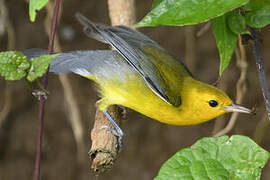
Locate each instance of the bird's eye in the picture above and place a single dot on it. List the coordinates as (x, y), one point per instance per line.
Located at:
(213, 103)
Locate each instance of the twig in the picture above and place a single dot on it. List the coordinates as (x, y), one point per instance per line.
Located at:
(104, 151)
(42, 99)
(72, 110)
(259, 64)
(104, 147)
(240, 87)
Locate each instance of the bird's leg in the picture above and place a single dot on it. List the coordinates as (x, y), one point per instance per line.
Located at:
(116, 130)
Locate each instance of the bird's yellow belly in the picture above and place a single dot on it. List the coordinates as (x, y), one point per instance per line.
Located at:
(135, 94)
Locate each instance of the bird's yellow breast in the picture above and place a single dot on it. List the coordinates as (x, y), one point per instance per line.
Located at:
(134, 93)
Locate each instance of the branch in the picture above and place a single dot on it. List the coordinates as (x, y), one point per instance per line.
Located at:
(104, 149)
(42, 99)
(259, 64)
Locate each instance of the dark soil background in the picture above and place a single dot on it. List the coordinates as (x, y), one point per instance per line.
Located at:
(148, 144)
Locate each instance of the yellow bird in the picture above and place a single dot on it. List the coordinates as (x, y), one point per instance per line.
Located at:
(143, 76)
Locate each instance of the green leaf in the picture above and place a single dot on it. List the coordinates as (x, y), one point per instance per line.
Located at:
(259, 18)
(223, 158)
(187, 12)
(13, 65)
(254, 5)
(36, 5)
(236, 22)
(225, 39)
(39, 66)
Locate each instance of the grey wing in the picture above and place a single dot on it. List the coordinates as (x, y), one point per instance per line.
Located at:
(129, 44)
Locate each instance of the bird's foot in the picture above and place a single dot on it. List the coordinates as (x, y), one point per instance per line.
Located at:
(115, 130)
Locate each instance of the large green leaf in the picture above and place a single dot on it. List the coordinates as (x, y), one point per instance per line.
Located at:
(187, 12)
(13, 65)
(36, 5)
(226, 40)
(39, 66)
(221, 158)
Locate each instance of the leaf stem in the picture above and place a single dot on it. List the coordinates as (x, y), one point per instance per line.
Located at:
(42, 99)
(259, 64)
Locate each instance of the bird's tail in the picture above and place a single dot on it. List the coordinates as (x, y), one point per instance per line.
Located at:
(84, 63)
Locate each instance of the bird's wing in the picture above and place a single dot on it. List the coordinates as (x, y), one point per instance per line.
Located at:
(131, 45)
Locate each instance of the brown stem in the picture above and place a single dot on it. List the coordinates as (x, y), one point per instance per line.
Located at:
(104, 149)
(42, 99)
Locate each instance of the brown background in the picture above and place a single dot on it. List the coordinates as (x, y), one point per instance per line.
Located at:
(147, 143)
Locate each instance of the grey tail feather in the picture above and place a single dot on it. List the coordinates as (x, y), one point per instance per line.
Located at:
(84, 63)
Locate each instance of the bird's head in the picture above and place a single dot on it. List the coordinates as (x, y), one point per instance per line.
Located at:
(208, 102)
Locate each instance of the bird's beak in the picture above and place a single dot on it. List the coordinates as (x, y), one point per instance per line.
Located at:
(238, 108)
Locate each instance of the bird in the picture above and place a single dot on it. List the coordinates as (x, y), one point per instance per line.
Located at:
(141, 75)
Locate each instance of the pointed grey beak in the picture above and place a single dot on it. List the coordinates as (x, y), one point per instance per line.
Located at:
(237, 108)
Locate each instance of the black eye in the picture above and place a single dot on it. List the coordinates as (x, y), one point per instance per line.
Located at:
(213, 103)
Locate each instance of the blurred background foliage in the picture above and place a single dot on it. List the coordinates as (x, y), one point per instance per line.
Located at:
(148, 143)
